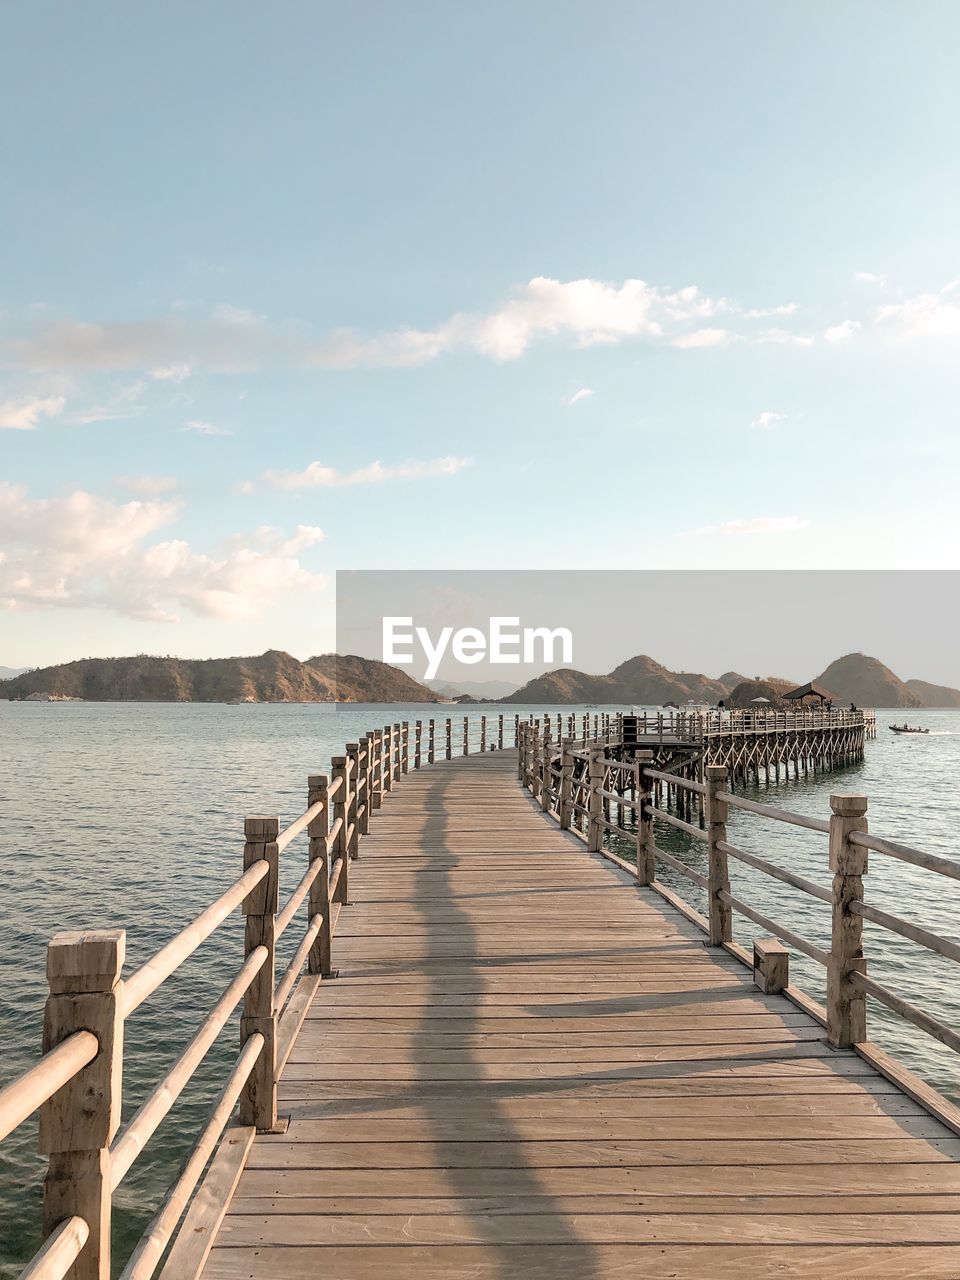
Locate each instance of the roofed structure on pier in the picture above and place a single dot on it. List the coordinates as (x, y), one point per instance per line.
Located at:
(809, 690)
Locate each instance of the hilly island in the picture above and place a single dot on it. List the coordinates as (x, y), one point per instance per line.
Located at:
(276, 676)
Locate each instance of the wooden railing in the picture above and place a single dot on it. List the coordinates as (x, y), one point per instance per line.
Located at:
(77, 1084)
(591, 788)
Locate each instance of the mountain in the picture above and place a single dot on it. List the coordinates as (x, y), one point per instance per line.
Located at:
(934, 695)
(366, 680)
(273, 676)
(730, 680)
(639, 680)
(7, 673)
(867, 682)
(476, 688)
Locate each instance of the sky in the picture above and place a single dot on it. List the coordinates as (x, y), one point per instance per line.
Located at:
(303, 287)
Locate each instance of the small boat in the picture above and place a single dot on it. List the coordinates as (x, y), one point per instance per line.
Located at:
(906, 728)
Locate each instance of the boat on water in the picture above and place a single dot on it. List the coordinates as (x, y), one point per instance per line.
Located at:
(906, 728)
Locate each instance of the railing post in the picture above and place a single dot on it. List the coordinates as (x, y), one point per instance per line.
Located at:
(317, 832)
(341, 810)
(417, 743)
(846, 1005)
(405, 742)
(365, 776)
(375, 775)
(386, 772)
(449, 743)
(500, 733)
(466, 735)
(718, 873)
(545, 780)
(258, 1101)
(79, 1122)
(398, 751)
(646, 858)
(483, 733)
(431, 742)
(595, 800)
(566, 783)
(353, 792)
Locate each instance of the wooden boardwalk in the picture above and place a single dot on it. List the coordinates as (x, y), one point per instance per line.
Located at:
(529, 1066)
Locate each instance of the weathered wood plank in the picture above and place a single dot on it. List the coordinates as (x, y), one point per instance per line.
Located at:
(576, 1261)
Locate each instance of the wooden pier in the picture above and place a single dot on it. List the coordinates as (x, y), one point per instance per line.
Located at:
(512, 1052)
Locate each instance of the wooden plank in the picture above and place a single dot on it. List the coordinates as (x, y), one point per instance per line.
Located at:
(279, 1153)
(678, 1180)
(597, 1228)
(566, 1260)
(838, 1202)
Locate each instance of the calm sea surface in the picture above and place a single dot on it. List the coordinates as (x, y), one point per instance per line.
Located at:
(131, 815)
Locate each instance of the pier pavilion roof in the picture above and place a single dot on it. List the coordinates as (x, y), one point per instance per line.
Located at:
(810, 690)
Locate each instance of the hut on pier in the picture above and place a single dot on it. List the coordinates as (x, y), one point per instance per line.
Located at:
(811, 691)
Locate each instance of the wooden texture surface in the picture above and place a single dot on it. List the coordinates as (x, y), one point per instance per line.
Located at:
(530, 1066)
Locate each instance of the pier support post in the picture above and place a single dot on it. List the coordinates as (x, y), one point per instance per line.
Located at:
(258, 1101)
(846, 1005)
(79, 1122)
(319, 960)
(718, 872)
(594, 800)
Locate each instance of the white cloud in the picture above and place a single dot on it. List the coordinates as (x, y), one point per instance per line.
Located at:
(201, 428)
(760, 524)
(870, 277)
(761, 313)
(929, 316)
(319, 476)
(232, 339)
(171, 372)
(123, 404)
(704, 338)
(87, 552)
(783, 338)
(583, 394)
(146, 486)
(768, 419)
(228, 340)
(25, 414)
(842, 332)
